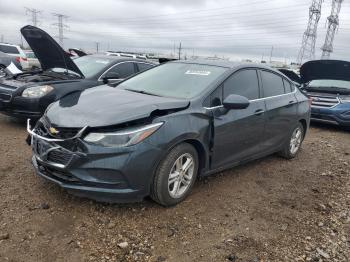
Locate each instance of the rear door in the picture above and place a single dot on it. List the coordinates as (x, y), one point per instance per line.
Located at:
(238, 134)
(281, 109)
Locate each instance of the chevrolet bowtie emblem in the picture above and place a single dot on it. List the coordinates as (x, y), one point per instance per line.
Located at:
(53, 131)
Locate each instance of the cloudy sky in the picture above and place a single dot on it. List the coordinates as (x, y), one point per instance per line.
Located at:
(232, 28)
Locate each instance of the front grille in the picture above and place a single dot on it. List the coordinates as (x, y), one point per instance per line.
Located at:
(59, 157)
(5, 97)
(63, 133)
(324, 101)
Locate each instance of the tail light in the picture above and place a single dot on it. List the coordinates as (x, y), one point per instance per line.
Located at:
(18, 59)
(24, 58)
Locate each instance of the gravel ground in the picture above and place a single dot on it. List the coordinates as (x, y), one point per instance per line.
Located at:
(268, 210)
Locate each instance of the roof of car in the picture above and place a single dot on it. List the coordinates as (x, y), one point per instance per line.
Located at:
(112, 58)
(223, 63)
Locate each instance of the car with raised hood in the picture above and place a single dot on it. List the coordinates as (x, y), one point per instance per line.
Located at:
(327, 83)
(27, 95)
(157, 132)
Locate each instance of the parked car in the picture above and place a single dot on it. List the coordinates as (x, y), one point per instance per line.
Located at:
(27, 95)
(5, 61)
(156, 132)
(15, 51)
(328, 84)
(32, 62)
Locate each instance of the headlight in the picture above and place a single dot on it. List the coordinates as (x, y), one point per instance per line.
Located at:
(37, 91)
(345, 99)
(123, 138)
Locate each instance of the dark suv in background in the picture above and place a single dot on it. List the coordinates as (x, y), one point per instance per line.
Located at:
(156, 132)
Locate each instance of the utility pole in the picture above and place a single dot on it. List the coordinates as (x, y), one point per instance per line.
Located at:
(97, 46)
(307, 50)
(333, 23)
(61, 27)
(2, 38)
(180, 49)
(34, 15)
(271, 54)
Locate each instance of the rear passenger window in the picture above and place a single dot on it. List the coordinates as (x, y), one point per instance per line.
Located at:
(244, 83)
(287, 86)
(143, 67)
(272, 84)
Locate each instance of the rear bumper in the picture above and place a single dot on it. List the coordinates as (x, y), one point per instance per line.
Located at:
(339, 115)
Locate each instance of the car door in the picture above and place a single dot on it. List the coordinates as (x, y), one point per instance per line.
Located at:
(238, 134)
(281, 109)
(120, 71)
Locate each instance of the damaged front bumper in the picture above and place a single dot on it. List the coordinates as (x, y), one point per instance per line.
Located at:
(113, 175)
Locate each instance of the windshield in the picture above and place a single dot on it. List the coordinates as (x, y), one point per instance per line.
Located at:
(90, 65)
(178, 80)
(329, 84)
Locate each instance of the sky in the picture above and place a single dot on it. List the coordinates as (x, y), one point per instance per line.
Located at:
(225, 28)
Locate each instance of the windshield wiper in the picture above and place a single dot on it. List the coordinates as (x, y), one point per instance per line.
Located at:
(142, 92)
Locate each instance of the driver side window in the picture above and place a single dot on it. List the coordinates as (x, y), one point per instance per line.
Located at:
(120, 71)
(244, 83)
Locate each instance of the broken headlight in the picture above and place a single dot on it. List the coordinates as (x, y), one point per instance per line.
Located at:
(123, 138)
(37, 91)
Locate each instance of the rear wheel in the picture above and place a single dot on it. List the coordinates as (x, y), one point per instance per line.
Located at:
(292, 148)
(175, 175)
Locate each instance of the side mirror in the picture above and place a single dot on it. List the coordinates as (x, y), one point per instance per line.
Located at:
(236, 102)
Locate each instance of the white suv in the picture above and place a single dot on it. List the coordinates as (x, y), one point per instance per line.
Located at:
(15, 50)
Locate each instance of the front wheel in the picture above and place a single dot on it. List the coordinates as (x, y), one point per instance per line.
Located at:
(292, 148)
(175, 175)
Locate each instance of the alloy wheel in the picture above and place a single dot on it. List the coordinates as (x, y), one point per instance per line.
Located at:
(181, 175)
(296, 140)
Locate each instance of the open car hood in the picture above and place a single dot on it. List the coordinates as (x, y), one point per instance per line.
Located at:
(325, 69)
(47, 50)
(104, 106)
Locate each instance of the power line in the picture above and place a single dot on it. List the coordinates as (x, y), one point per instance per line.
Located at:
(61, 27)
(307, 50)
(333, 23)
(33, 13)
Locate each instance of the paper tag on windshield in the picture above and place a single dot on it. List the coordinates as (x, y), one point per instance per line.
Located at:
(197, 72)
(13, 69)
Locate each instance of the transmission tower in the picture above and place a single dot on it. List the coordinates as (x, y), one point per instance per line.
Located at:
(61, 26)
(307, 50)
(33, 13)
(333, 23)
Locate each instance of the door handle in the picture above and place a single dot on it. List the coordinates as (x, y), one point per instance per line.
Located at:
(259, 112)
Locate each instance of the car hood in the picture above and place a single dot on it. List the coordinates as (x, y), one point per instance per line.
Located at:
(47, 50)
(107, 106)
(325, 69)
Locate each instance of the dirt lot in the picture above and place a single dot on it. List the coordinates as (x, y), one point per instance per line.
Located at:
(268, 210)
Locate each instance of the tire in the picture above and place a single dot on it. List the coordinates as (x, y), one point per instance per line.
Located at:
(167, 190)
(288, 151)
